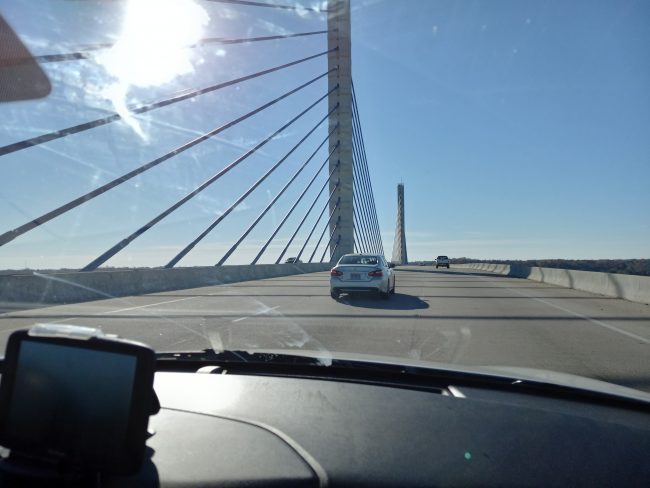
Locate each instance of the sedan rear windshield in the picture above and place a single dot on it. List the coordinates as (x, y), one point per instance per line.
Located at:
(359, 260)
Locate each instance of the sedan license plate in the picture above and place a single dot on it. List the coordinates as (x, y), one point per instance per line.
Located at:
(355, 276)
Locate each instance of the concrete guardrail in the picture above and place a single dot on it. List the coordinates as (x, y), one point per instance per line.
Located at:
(72, 287)
(630, 287)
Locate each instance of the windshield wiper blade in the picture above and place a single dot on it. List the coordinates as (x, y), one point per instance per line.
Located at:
(234, 357)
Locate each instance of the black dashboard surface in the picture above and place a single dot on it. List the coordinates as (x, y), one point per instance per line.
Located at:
(239, 430)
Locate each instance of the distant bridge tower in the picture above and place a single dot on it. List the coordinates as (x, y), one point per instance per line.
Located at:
(399, 247)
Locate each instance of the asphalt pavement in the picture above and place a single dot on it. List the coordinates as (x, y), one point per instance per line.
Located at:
(455, 316)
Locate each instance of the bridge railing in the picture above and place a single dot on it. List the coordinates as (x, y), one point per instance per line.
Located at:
(629, 287)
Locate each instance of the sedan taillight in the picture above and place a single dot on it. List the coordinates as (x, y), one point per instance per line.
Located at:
(376, 272)
(336, 272)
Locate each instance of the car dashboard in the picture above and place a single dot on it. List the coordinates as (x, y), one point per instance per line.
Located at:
(218, 429)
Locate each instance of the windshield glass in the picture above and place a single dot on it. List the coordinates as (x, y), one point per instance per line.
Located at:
(186, 173)
(358, 260)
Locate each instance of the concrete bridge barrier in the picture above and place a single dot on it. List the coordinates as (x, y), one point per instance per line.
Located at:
(72, 287)
(630, 287)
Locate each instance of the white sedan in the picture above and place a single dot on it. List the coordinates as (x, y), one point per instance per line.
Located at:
(362, 273)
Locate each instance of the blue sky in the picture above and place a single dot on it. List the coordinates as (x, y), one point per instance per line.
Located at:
(520, 129)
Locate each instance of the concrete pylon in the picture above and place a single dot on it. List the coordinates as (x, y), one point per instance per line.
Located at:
(339, 61)
(399, 246)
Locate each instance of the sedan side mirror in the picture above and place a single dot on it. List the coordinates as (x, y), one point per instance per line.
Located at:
(391, 265)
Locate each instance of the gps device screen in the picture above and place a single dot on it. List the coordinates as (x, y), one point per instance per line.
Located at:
(84, 403)
(69, 399)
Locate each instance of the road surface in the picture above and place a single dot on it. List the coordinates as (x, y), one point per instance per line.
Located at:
(455, 316)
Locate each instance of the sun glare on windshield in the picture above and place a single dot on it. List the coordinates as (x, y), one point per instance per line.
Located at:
(152, 48)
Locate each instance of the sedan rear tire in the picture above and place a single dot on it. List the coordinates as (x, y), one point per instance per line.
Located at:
(385, 295)
(334, 294)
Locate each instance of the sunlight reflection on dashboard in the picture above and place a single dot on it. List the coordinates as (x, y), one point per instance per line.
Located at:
(174, 387)
(152, 48)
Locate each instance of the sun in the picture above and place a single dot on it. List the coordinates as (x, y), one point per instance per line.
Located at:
(152, 48)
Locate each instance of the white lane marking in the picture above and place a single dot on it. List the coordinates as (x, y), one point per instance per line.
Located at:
(44, 321)
(148, 305)
(72, 316)
(191, 297)
(611, 327)
(261, 312)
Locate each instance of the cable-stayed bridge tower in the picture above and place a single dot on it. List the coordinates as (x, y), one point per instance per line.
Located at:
(399, 247)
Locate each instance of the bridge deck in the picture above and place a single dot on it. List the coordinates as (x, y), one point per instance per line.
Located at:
(448, 316)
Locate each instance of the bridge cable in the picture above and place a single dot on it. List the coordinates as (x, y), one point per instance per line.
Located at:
(329, 199)
(320, 215)
(359, 219)
(327, 224)
(322, 258)
(363, 233)
(275, 199)
(338, 241)
(360, 134)
(364, 178)
(366, 167)
(329, 242)
(357, 241)
(361, 195)
(12, 234)
(244, 195)
(355, 225)
(295, 204)
(271, 5)
(364, 196)
(362, 209)
(369, 205)
(88, 51)
(360, 228)
(125, 242)
(178, 97)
